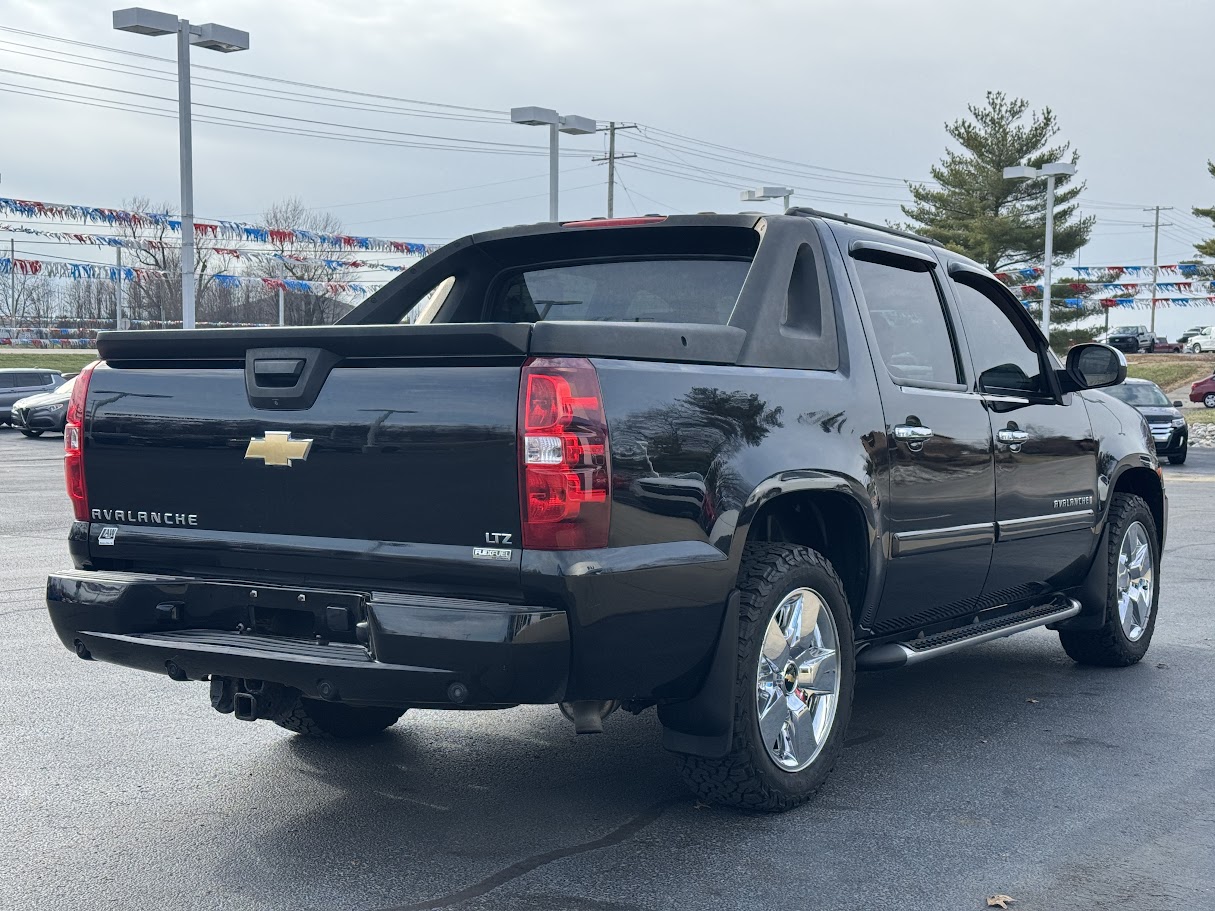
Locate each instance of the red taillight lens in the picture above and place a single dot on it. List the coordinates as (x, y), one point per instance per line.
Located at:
(564, 472)
(73, 444)
(615, 222)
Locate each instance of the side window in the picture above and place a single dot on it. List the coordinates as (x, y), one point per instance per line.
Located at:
(1005, 352)
(909, 321)
(26, 380)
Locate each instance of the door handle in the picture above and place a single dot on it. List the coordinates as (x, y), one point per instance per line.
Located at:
(913, 435)
(1014, 438)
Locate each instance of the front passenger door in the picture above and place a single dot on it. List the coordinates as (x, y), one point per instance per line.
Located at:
(1045, 453)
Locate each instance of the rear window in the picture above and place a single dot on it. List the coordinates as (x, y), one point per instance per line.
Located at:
(669, 290)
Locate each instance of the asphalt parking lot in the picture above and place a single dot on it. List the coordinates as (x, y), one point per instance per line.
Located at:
(1003, 769)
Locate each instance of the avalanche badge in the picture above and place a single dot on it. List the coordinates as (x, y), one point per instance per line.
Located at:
(277, 448)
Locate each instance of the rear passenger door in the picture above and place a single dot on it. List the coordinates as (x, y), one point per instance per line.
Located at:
(1045, 453)
(938, 480)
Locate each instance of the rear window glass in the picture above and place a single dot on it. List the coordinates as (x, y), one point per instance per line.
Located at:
(633, 291)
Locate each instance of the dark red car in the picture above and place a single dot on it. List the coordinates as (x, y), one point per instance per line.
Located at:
(1204, 391)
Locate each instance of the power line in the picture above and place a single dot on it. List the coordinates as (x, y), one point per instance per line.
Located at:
(240, 75)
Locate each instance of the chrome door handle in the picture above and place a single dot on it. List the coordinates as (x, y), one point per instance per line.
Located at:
(913, 435)
(1014, 438)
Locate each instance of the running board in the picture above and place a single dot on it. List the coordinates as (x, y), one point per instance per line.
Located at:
(900, 654)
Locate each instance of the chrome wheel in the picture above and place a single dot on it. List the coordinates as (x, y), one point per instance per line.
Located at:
(798, 680)
(1136, 581)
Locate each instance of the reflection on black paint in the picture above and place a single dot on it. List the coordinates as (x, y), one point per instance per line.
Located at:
(659, 453)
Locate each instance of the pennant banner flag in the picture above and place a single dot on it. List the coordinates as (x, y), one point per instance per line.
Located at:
(127, 243)
(232, 230)
(84, 271)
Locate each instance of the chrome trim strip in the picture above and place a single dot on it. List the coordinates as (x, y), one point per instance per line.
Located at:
(928, 540)
(1053, 523)
(1003, 399)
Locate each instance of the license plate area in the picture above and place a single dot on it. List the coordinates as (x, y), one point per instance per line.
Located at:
(290, 612)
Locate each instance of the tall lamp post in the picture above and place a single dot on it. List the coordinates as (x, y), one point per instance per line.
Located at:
(214, 38)
(1050, 172)
(765, 193)
(556, 123)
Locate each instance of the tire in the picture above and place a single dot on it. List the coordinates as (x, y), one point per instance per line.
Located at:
(1178, 458)
(336, 720)
(32, 434)
(1194, 349)
(1124, 638)
(1209, 400)
(751, 775)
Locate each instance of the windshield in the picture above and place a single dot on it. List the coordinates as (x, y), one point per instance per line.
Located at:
(1125, 330)
(658, 290)
(1139, 394)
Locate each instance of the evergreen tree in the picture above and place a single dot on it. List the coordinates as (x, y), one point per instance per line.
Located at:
(975, 211)
(1207, 247)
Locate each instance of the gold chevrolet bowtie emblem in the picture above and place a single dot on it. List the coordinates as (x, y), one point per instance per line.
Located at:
(277, 448)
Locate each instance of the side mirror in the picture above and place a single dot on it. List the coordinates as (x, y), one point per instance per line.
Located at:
(1178, 405)
(1092, 366)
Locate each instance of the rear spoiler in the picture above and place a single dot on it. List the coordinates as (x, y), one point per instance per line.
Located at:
(676, 342)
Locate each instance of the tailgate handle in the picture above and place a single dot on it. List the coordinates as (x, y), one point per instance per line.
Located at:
(278, 372)
(286, 379)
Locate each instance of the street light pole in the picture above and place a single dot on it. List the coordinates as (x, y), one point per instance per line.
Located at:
(553, 164)
(213, 37)
(765, 193)
(556, 123)
(1050, 172)
(1050, 254)
(185, 141)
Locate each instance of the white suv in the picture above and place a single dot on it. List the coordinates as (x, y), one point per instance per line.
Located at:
(1203, 341)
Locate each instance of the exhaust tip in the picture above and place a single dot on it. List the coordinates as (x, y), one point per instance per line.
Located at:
(588, 714)
(457, 693)
(82, 651)
(244, 706)
(175, 671)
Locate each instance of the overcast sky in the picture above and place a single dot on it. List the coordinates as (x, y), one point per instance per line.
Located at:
(861, 86)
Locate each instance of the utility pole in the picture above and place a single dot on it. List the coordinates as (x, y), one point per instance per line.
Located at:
(1156, 256)
(12, 278)
(118, 293)
(611, 159)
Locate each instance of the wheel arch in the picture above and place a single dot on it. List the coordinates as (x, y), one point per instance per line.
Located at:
(1146, 483)
(829, 513)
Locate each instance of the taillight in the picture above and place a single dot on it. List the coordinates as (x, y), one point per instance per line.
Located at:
(564, 472)
(73, 444)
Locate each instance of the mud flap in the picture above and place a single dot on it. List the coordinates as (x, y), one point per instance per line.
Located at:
(1093, 593)
(704, 724)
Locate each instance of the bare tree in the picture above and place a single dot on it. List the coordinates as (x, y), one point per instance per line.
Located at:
(304, 308)
(25, 297)
(159, 295)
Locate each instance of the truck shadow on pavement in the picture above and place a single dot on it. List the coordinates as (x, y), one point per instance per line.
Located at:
(449, 806)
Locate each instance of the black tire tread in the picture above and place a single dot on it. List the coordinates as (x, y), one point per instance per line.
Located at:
(734, 779)
(1108, 647)
(335, 721)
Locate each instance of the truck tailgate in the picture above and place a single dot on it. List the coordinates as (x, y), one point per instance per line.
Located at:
(399, 455)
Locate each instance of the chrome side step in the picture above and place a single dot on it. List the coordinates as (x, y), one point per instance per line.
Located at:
(900, 654)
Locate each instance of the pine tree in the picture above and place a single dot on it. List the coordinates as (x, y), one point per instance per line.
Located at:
(1207, 247)
(975, 211)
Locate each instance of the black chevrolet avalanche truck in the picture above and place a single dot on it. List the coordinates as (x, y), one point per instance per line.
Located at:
(711, 464)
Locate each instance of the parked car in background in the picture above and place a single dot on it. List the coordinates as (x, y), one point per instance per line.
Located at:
(1202, 342)
(1161, 345)
(1190, 333)
(1204, 391)
(1170, 432)
(34, 415)
(1131, 339)
(17, 383)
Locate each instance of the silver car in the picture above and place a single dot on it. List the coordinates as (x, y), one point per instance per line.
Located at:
(18, 382)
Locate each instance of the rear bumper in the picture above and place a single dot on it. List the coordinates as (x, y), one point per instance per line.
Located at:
(412, 648)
